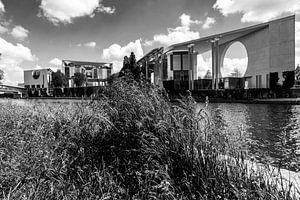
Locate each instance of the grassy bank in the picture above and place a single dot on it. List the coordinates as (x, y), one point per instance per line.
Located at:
(130, 144)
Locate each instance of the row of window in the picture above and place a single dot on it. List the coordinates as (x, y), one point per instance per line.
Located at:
(34, 86)
(88, 73)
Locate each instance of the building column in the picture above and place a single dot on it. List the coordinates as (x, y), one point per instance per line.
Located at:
(191, 66)
(217, 66)
(213, 63)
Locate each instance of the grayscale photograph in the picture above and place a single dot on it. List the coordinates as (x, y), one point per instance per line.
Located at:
(150, 99)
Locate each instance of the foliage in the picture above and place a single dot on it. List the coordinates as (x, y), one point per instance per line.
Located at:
(79, 79)
(131, 143)
(59, 79)
(208, 74)
(130, 67)
(236, 73)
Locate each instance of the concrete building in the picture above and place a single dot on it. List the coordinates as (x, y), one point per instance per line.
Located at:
(96, 73)
(270, 47)
(38, 79)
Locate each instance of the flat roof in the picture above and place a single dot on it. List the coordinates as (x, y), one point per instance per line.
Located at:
(87, 62)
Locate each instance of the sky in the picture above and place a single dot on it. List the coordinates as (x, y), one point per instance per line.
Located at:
(37, 34)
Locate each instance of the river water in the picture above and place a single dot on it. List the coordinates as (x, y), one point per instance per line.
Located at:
(272, 131)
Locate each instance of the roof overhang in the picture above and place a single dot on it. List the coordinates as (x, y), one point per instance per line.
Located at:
(202, 45)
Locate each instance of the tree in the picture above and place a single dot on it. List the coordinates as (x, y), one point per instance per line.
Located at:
(236, 73)
(130, 67)
(208, 74)
(79, 79)
(59, 79)
(1, 76)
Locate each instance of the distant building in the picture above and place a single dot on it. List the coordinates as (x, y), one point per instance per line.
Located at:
(39, 79)
(96, 73)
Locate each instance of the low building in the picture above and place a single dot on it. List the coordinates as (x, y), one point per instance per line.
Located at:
(96, 73)
(38, 81)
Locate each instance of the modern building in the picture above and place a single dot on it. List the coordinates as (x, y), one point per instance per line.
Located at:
(38, 80)
(96, 73)
(270, 48)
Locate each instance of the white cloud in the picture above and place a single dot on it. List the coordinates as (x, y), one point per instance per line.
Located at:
(56, 62)
(179, 34)
(3, 29)
(208, 22)
(88, 44)
(11, 58)
(203, 65)
(65, 10)
(257, 10)
(19, 32)
(230, 64)
(1, 7)
(115, 53)
(38, 67)
(107, 9)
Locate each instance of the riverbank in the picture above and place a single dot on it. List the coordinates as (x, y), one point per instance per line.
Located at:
(289, 101)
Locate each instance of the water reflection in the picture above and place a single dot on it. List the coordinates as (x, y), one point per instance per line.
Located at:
(273, 130)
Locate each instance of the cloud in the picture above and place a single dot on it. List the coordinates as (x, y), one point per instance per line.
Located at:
(203, 65)
(88, 44)
(230, 64)
(38, 67)
(11, 59)
(64, 11)
(2, 9)
(56, 62)
(106, 9)
(19, 32)
(257, 10)
(115, 53)
(208, 22)
(3, 29)
(179, 34)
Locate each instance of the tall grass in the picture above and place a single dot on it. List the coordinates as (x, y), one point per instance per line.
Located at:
(130, 143)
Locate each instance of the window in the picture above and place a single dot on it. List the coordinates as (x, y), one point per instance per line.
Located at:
(67, 72)
(258, 81)
(268, 80)
(185, 62)
(181, 75)
(95, 73)
(108, 73)
(32, 86)
(177, 62)
(38, 86)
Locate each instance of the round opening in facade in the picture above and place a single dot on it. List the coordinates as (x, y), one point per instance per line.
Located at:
(235, 61)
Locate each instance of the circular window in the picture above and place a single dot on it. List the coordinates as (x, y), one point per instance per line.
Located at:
(36, 74)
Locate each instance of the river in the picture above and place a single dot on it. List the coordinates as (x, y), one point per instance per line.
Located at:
(272, 131)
